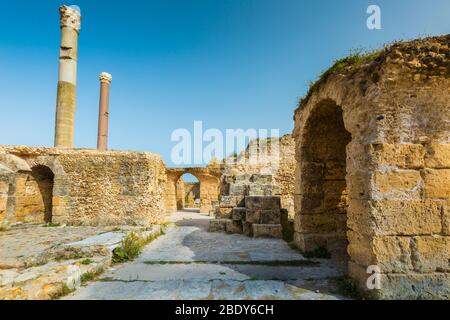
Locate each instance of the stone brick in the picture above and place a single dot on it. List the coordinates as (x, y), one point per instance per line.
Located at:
(437, 183)
(230, 201)
(260, 190)
(320, 223)
(402, 183)
(267, 231)
(438, 156)
(239, 214)
(431, 253)
(238, 190)
(391, 254)
(218, 225)
(405, 156)
(242, 178)
(233, 227)
(253, 215)
(271, 203)
(415, 286)
(253, 202)
(309, 242)
(224, 213)
(270, 217)
(446, 220)
(247, 229)
(408, 217)
(262, 179)
(359, 185)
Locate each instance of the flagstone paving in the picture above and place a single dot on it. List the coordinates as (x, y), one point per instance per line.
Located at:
(188, 262)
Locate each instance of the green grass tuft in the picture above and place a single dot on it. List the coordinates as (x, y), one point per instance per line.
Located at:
(90, 276)
(64, 290)
(132, 246)
(349, 63)
(86, 261)
(51, 225)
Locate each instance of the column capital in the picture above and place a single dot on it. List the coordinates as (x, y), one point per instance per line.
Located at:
(105, 77)
(70, 16)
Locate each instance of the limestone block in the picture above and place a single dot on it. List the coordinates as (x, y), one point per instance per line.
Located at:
(247, 229)
(437, 183)
(224, 213)
(391, 254)
(263, 179)
(218, 225)
(405, 156)
(359, 185)
(260, 190)
(234, 227)
(239, 214)
(284, 217)
(238, 189)
(271, 203)
(267, 231)
(321, 223)
(438, 156)
(229, 201)
(431, 253)
(402, 183)
(253, 202)
(309, 242)
(415, 286)
(243, 178)
(408, 217)
(270, 217)
(446, 220)
(253, 215)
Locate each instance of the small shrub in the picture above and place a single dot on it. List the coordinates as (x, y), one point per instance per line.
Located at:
(64, 290)
(86, 261)
(89, 276)
(51, 225)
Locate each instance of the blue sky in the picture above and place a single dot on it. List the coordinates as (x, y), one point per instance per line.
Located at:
(229, 63)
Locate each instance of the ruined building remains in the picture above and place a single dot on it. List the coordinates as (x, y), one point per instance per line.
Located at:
(373, 168)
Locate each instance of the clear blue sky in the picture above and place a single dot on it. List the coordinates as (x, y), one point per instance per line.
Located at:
(230, 63)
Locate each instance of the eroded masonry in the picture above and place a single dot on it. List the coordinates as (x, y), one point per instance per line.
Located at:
(365, 175)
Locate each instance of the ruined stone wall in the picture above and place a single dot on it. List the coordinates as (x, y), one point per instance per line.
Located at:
(393, 209)
(279, 163)
(90, 187)
(180, 194)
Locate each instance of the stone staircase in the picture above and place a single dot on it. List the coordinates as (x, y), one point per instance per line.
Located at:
(249, 207)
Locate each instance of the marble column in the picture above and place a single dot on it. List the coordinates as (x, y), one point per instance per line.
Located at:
(102, 137)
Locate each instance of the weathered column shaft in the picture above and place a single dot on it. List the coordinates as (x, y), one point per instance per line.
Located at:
(67, 80)
(102, 137)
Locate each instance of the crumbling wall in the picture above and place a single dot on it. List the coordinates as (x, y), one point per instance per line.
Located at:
(260, 158)
(395, 106)
(92, 187)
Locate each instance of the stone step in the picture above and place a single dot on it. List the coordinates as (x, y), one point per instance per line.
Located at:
(239, 213)
(267, 231)
(263, 202)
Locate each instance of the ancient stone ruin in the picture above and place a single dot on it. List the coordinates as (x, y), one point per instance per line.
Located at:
(365, 175)
(373, 167)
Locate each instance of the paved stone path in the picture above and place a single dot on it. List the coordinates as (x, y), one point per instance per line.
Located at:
(188, 262)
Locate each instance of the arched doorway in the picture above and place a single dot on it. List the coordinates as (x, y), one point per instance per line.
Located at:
(188, 192)
(321, 220)
(35, 195)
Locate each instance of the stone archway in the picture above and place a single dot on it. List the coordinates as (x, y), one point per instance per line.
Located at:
(209, 180)
(323, 197)
(34, 195)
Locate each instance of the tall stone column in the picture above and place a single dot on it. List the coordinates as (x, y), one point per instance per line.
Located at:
(102, 138)
(70, 20)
